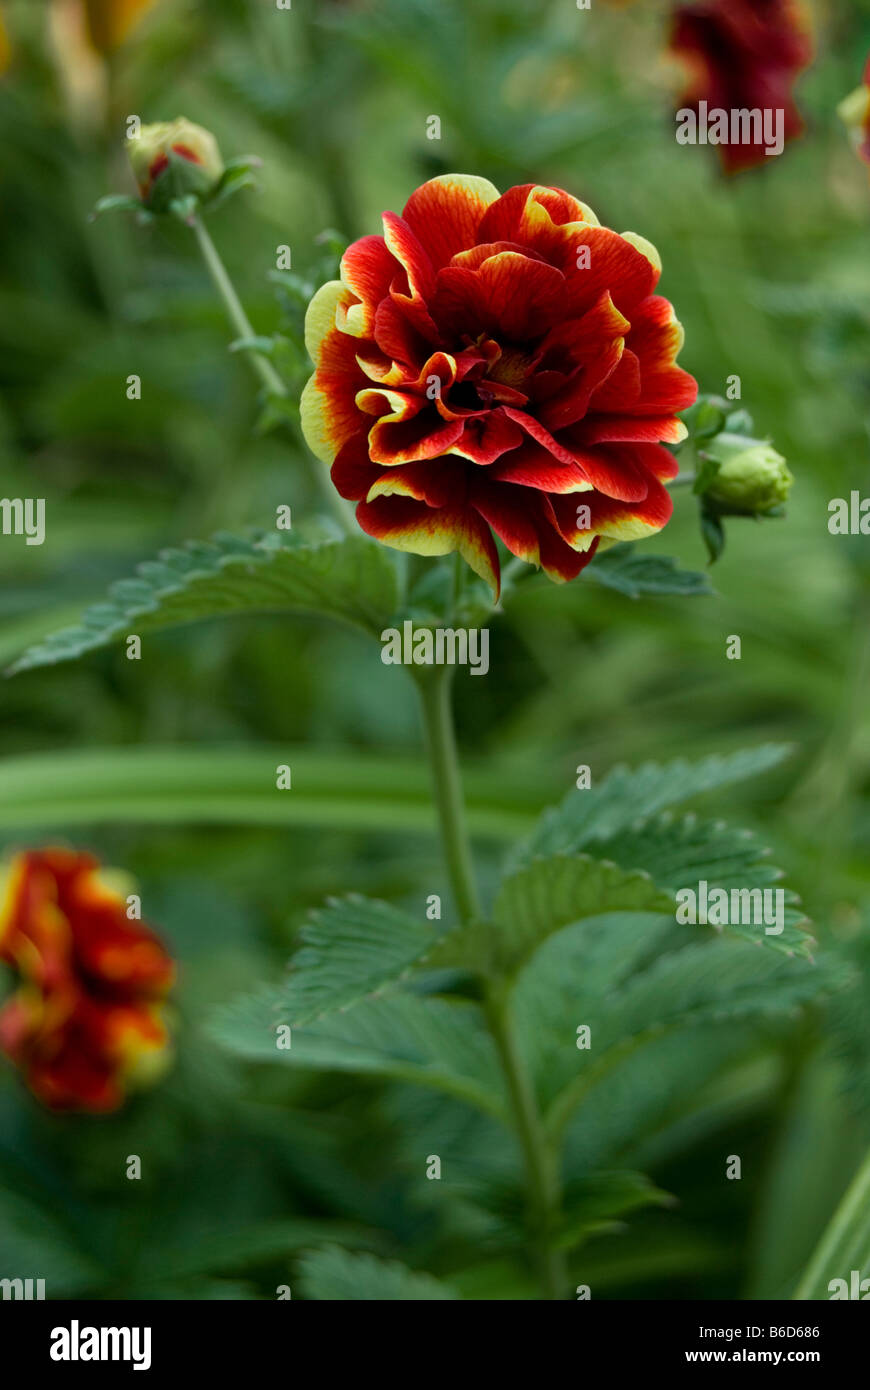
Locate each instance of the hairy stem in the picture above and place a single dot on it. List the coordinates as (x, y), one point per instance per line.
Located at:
(541, 1167)
(434, 687)
(269, 377)
(542, 1171)
(235, 311)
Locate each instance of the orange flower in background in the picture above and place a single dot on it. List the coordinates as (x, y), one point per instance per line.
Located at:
(87, 1017)
(743, 55)
(854, 111)
(111, 21)
(5, 48)
(101, 24)
(498, 365)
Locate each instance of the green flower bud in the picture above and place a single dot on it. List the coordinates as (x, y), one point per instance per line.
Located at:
(172, 160)
(752, 478)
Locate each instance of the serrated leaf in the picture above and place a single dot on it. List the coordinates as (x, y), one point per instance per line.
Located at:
(236, 1248)
(698, 984)
(654, 1088)
(712, 980)
(433, 1042)
(680, 853)
(626, 795)
(542, 899)
(634, 573)
(334, 1274)
(591, 1205)
(351, 948)
(352, 580)
(596, 1202)
(39, 1243)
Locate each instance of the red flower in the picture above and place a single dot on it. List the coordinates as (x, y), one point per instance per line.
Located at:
(497, 364)
(87, 1015)
(743, 55)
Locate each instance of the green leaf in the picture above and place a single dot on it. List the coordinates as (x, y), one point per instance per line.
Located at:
(595, 1203)
(635, 573)
(706, 418)
(627, 795)
(39, 1243)
(352, 580)
(334, 1274)
(238, 174)
(352, 947)
(116, 202)
(702, 983)
(542, 899)
(845, 1245)
(407, 1037)
(238, 1247)
(220, 785)
(713, 533)
(680, 853)
(717, 980)
(259, 344)
(591, 1205)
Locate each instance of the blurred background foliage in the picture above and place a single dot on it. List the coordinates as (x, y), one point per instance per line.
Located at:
(770, 276)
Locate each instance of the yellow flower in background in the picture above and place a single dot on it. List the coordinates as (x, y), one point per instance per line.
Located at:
(103, 24)
(5, 49)
(111, 21)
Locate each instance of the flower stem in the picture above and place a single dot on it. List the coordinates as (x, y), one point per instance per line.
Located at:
(434, 687)
(233, 305)
(541, 1168)
(838, 1251)
(269, 377)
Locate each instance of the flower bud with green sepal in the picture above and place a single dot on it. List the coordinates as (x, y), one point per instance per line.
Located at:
(738, 476)
(174, 160)
(749, 477)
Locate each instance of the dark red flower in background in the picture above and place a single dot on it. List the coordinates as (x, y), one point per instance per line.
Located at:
(743, 55)
(498, 364)
(86, 1018)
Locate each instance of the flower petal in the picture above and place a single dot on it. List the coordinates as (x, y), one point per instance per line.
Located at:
(407, 524)
(446, 212)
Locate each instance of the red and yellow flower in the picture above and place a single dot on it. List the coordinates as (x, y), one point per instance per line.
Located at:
(743, 55)
(497, 365)
(86, 1020)
(173, 158)
(854, 111)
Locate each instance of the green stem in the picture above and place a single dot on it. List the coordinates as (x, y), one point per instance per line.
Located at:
(269, 377)
(434, 687)
(235, 311)
(542, 1172)
(541, 1167)
(843, 1246)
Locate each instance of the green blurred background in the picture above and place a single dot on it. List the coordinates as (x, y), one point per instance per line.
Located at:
(770, 276)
